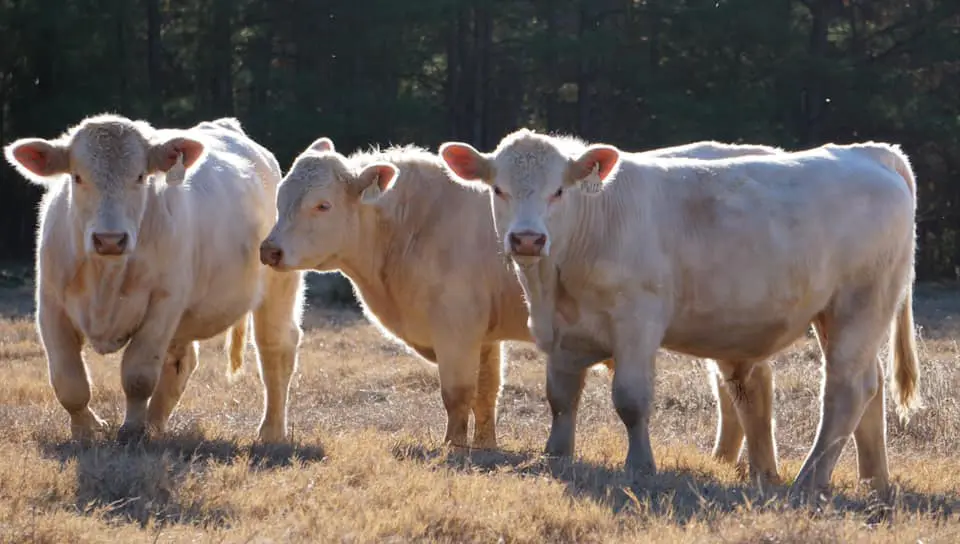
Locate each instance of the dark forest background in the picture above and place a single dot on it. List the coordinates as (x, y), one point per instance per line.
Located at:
(635, 73)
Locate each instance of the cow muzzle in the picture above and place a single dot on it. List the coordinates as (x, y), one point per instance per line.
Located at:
(270, 254)
(527, 243)
(110, 243)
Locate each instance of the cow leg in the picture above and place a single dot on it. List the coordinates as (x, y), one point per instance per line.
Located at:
(870, 438)
(855, 332)
(751, 387)
(68, 373)
(637, 336)
(489, 381)
(730, 435)
(566, 375)
(277, 334)
(458, 365)
(142, 363)
(178, 366)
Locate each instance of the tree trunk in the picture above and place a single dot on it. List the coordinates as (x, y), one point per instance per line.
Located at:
(154, 78)
(584, 83)
(482, 35)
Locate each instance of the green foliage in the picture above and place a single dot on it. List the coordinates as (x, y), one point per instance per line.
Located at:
(635, 73)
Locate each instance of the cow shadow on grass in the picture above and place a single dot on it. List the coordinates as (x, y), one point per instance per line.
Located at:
(154, 482)
(679, 494)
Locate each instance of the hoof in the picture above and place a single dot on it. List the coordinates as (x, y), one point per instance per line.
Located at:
(485, 443)
(131, 434)
(271, 436)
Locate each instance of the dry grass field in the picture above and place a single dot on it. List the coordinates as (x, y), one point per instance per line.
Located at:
(366, 463)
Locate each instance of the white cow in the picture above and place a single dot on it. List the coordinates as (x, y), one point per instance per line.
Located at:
(730, 259)
(452, 299)
(149, 239)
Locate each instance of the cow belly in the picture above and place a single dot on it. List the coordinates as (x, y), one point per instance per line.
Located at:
(735, 341)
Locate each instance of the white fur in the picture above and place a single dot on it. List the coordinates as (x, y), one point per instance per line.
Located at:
(193, 274)
(729, 259)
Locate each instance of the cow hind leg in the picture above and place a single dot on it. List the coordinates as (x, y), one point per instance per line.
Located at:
(851, 389)
(729, 439)
(178, 366)
(870, 435)
(750, 385)
(277, 334)
(870, 438)
(489, 382)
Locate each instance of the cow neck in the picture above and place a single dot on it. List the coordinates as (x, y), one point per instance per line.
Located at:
(367, 266)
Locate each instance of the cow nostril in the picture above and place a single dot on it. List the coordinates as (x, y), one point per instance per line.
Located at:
(109, 243)
(270, 255)
(515, 240)
(541, 240)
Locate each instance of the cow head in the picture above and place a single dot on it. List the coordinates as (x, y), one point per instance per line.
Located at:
(319, 206)
(528, 175)
(106, 162)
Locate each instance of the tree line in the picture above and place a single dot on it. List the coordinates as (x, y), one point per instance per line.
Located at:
(638, 74)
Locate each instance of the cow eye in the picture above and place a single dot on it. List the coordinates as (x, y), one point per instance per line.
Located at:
(497, 191)
(558, 193)
(140, 179)
(77, 179)
(323, 206)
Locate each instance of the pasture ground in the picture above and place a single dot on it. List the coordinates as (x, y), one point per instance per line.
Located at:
(366, 463)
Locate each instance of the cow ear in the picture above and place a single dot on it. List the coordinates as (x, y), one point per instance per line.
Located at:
(163, 156)
(466, 163)
(374, 180)
(322, 144)
(38, 160)
(594, 169)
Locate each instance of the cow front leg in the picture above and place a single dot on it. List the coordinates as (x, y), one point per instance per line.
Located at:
(277, 333)
(637, 336)
(489, 384)
(566, 374)
(458, 364)
(142, 363)
(62, 344)
(178, 366)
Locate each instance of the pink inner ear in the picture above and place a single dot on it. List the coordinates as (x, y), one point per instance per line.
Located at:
(322, 144)
(32, 158)
(191, 152)
(607, 158)
(463, 161)
(190, 149)
(385, 177)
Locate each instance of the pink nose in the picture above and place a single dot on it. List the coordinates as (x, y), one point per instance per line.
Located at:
(110, 243)
(270, 254)
(527, 243)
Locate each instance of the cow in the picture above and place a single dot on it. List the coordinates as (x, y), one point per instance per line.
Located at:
(391, 222)
(148, 241)
(731, 259)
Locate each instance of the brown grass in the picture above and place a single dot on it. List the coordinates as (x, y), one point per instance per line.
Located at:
(366, 463)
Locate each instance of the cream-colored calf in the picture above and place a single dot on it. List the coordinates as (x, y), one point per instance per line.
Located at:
(148, 240)
(731, 259)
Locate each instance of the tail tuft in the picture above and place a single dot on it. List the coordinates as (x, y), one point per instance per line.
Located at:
(905, 377)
